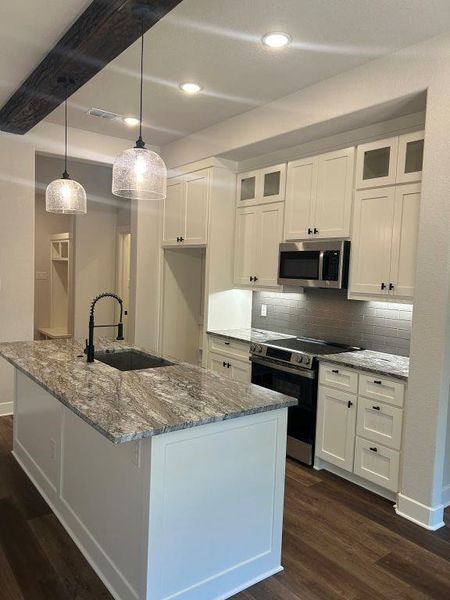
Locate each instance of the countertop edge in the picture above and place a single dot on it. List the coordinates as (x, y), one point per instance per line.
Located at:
(117, 440)
(375, 370)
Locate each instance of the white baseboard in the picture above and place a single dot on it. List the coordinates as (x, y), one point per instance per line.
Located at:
(446, 496)
(6, 408)
(426, 516)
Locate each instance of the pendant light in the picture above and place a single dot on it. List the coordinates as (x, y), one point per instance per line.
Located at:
(140, 173)
(65, 196)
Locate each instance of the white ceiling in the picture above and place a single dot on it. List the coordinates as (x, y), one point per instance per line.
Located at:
(217, 44)
(28, 29)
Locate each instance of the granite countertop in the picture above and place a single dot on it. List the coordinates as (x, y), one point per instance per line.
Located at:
(131, 405)
(257, 336)
(381, 363)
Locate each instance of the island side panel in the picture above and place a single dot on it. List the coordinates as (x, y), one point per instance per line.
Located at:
(99, 491)
(216, 507)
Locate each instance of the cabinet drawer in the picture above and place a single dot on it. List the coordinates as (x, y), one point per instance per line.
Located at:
(238, 370)
(381, 389)
(338, 378)
(231, 348)
(379, 422)
(377, 464)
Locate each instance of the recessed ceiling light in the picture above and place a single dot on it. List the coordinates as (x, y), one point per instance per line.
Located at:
(131, 121)
(277, 39)
(190, 87)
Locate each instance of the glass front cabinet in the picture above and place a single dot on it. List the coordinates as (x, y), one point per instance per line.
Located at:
(390, 161)
(261, 186)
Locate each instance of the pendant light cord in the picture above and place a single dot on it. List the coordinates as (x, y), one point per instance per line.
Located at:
(140, 142)
(65, 174)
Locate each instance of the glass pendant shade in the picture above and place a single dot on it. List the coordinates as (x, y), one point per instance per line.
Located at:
(139, 173)
(65, 196)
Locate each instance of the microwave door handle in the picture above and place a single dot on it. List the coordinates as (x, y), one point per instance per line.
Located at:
(321, 266)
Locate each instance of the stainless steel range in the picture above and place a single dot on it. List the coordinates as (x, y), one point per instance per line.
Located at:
(290, 366)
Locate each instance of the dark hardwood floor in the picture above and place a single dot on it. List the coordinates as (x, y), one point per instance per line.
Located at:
(339, 542)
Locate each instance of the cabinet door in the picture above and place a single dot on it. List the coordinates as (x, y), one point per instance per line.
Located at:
(245, 244)
(404, 240)
(173, 212)
(372, 240)
(334, 194)
(248, 185)
(196, 214)
(376, 163)
(410, 157)
(218, 364)
(273, 184)
(240, 371)
(301, 189)
(268, 236)
(335, 431)
(377, 464)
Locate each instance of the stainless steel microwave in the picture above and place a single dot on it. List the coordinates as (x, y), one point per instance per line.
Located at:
(314, 264)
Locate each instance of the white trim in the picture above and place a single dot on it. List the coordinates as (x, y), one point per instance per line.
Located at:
(320, 464)
(199, 165)
(446, 496)
(426, 516)
(6, 408)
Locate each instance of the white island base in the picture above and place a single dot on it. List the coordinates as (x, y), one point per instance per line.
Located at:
(194, 514)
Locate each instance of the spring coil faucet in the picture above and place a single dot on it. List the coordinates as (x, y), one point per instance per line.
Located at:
(90, 348)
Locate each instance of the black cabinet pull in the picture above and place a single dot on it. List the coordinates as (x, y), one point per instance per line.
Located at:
(335, 370)
(316, 230)
(228, 365)
(251, 278)
(349, 404)
(374, 449)
(309, 231)
(255, 278)
(178, 239)
(224, 364)
(376, 408)
(383, 286)
(227, 343)
(391, 286)
(181, 239)
(377, 381)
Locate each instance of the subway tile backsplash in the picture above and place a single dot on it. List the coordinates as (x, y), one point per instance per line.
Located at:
(328, 315)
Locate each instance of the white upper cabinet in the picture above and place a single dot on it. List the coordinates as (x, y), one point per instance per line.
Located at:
(173, 211)
(387, 162)
(301, 191)
(404, 240)
(185, 214)
(319, 196)
(261, 186)
(384, 247)
(258, 234)
(410, 157)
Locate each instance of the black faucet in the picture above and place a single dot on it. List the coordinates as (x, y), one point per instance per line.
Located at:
(90, 349)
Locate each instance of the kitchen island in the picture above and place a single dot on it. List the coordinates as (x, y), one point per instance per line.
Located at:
(170, 480)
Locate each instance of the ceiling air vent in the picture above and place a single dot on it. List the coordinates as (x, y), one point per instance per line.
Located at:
(102, 114)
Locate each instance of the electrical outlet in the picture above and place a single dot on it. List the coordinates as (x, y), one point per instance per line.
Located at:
(264, 310)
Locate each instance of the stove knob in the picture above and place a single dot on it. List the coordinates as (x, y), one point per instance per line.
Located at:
(300, 358)
(252, 347)
(307, 360)
(257, 348)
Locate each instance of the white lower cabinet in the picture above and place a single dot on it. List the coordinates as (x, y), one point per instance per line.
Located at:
(377, 463)
(360, 431)
(237, 370)
(336, 418)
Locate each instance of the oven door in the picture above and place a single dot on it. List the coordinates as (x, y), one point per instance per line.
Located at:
(301, 385)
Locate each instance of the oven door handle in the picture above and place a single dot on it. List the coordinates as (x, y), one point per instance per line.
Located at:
(306, 373)
(321, 266)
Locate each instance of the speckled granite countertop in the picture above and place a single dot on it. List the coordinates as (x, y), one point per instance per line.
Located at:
(257, 336)
(131, 405)
(391, 365)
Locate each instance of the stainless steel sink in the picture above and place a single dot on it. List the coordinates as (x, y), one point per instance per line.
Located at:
(130, 360)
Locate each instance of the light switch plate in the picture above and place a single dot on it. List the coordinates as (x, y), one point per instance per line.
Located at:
(264, 310)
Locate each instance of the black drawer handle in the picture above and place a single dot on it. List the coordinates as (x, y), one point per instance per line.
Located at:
(377, 381)
(374, 449)
(349, 404)
(309, 231)
(224, 364)
(251, 278)
(227, 343)
(228, 365)
(383, 286)
(376, 408)
(255, 278)
(335, 370)
(316, 230)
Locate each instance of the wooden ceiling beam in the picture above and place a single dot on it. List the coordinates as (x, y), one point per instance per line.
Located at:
(104, 30)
